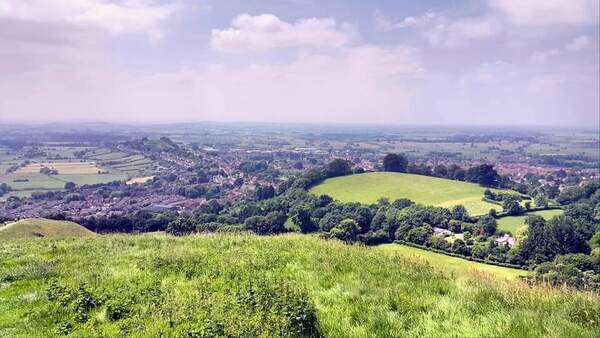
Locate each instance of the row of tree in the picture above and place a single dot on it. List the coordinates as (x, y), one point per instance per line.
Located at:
(484, 174)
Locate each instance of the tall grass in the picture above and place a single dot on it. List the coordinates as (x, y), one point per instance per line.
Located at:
(244, 285)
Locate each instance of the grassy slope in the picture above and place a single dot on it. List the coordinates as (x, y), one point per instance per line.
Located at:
(512, 223)
(177, 285)
(35, 228)
(455, 266)
(369, 187)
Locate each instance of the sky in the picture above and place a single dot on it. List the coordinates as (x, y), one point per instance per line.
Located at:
(443, 62)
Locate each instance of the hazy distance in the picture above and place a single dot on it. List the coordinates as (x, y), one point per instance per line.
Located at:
(492, 62)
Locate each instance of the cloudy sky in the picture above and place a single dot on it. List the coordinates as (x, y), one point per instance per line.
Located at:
(508, 62)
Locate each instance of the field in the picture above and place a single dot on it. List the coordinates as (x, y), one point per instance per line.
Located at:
(513, 223)
(244, 285)
(130, 165)
(42, 228)
(368, 188)
(107, 167)
(457, 267)
(140, 180)
(63, 168)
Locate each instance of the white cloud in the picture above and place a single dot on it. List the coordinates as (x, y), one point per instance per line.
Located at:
(129, 16)
(547, 12)
(542, 57)
(385, 24)
(361, 84)
(579, 43)
(265, 32)
(458, 32)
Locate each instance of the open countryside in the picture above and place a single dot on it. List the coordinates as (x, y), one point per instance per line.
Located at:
(370, 187)
(300, 169)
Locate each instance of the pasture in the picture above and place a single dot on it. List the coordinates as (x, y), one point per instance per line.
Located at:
(513, 223)
(245, 285)
(131, 165)
(63, 168)
(98, 166)
(29, 179)
(457, 267)
(370, 187)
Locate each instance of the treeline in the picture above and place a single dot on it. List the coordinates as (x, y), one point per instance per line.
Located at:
(483, 174)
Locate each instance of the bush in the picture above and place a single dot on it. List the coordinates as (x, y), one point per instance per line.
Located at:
(181, 226)
(346, 230)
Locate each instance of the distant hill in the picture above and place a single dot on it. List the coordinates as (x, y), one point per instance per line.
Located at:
(42, 228)
(370, 187)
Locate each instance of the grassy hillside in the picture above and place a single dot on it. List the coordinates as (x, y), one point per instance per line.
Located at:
(244, 285)
(39, 227)
(512, 223)
(369, 187)
(457, 267)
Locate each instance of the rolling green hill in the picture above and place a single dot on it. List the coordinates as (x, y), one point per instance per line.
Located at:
(369, 187)
(512, 223)
(42, 228)
(245, 285)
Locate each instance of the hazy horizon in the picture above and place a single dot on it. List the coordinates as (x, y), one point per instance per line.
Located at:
(465, 63)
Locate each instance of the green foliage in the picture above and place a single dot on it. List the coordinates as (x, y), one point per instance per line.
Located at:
(420, 235)
(181, 226)
(541, 201)
(486, 226)
(338, 167)
(511, 206)
(346, 230)
(395, 163)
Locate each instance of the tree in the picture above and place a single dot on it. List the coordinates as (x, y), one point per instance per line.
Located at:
(301, 217)
(459, 247)
(395, 163)
(540, 201)
(480, 250)
(420, 235)
(70, 186)
(484, 174)
(181, 226)
(486, 226)
(459, 212)
(264, 192)
(338, 167)
(271, 224)
(511, 205)
(346, 230)
(440, 171)
(402, 203)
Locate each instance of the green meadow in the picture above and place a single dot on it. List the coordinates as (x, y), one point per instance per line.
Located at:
(370, 187)
(291, 285)
(513, 223)
(456, 267)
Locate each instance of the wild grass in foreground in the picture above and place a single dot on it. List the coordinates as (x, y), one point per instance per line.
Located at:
(244, 285)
